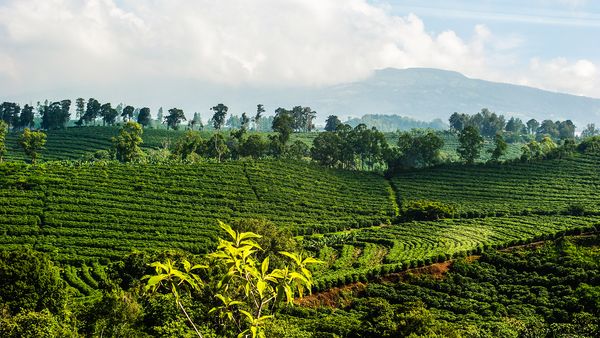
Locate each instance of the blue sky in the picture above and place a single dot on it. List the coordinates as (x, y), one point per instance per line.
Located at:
(139, 49)
(548, 28)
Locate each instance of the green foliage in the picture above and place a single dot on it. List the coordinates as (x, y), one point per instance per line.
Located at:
(220, 112)
(499, 149)
(32, 143)
(248, 291)
(283, 124)
(416, 149)
(144, 117)
(3, 132)
(191, 142)
(350, 148)
(30, 281)
(127, 144)
(332, 123)
(470, 144)
(423, 210)
(174, 118)
(545, 187)
(590, 145)
(40, 324)
(115, 314)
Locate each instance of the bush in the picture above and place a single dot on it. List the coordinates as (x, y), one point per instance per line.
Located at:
(424, 210)
(29, 281)
(576, 210)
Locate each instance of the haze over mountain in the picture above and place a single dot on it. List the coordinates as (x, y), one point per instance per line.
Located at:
(424, 94)
(432, 93)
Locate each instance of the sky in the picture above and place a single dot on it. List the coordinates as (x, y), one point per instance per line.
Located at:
(145, 51)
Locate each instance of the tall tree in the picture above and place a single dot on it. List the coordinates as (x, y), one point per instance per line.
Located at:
(27, 117)
(549, 128)
(79, 108)
(197, 121)
(590, 130)
(216, 147)
(56, 115)
(9, 113)
(470, 144)
(127, 113)
(220, 112)
(3, 132)
(260, 109)
(516, 126)
(245, 121)
(416, 149)
(65, 114)
(566, 130)
(332, 123)
(458, 121)
(308, 116)
(499, 149)
(92, 111)
(127, 143)
(144, 117)
(32, 143)
(109, 114)
(532, 126)
(160, 116)
(174, 118)
(283, 123)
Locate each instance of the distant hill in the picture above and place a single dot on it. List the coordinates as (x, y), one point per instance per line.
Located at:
(427, 94)
(390, 123)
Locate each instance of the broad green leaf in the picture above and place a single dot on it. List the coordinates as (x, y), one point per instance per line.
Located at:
(229, 230)
(260, 287)
(265, 266)
(248, 315)
(293, 256)
(156, 279)
(186, 265)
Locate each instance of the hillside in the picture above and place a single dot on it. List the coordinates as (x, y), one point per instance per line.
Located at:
(98, 213)
(518, 188)
(76, 143)
(92, 212)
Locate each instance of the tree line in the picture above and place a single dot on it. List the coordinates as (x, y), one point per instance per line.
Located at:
(489, 124)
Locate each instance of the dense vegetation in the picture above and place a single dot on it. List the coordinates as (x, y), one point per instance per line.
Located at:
(546, 291)
(365, 203)
(542, 187)
(86, 212)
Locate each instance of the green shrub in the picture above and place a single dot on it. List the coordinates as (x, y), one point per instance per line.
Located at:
(424, 210)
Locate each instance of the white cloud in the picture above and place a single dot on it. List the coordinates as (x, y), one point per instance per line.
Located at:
(99, 44)
(581, 77)
(299, 42)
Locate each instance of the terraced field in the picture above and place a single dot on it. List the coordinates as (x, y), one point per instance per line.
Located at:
(87, 215)
(520, 188)
(99, 213)
(360, 254)
(73, 143)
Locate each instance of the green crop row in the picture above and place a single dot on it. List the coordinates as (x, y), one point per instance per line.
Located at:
(95, 212)
(544, 187)
(409, 245)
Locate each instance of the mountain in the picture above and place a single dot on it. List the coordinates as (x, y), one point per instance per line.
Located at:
(422, 94)
(426, 94)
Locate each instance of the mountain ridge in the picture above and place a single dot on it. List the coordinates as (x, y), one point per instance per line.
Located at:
(428, 93)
